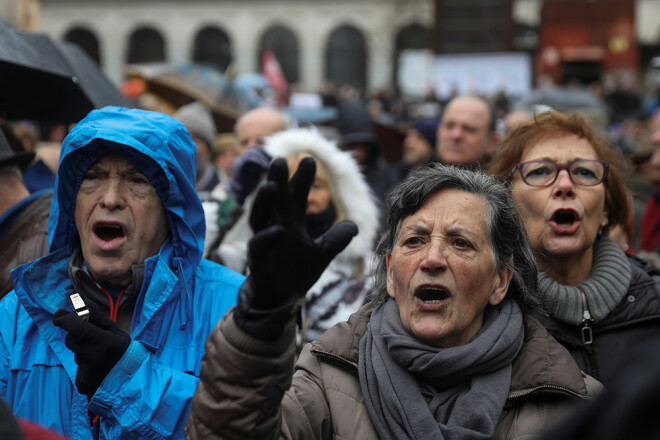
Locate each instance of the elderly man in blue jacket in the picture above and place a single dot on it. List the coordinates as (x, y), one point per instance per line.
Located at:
(126, 234)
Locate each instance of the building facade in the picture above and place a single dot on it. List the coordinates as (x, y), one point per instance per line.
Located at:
(314, 41)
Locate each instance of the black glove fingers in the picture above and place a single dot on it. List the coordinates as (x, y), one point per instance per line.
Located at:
(263, 212)
(70, 322)
(278, 173)
(96, 316)
(300, 183)
(336, 239)
(262, 242)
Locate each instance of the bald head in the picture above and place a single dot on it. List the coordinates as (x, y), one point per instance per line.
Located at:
(256, 124)
(465, 133)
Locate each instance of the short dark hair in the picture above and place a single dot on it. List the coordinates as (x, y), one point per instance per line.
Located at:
(506, 232)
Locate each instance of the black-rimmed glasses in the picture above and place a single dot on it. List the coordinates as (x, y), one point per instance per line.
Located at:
(584, 172)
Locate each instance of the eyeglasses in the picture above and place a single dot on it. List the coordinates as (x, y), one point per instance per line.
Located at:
(541, 173)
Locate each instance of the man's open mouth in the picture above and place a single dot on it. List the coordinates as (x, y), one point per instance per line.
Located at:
(432, 295)
(109, 231)
(565, 217)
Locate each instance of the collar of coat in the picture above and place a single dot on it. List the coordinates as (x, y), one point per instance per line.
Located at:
(542, 366)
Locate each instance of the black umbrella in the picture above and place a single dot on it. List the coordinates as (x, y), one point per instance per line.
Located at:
(46, 80)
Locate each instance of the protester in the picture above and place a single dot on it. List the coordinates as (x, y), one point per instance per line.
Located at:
(23, 216)
(126, 233)
(627, 410)
(418, 146)
(358, 136)
(198, 120)
(251, 129)
(338, 193)
(567, 183)
(466, 134)
(233, 199)
(649, 236)
(444, 348)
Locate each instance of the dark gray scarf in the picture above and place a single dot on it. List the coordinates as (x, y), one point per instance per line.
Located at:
(469, 383)
(606, 286)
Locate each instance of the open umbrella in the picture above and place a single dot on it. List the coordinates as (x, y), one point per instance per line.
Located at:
(44, 80)
(181, 84)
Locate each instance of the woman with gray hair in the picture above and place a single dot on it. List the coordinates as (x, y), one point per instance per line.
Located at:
(443, 349)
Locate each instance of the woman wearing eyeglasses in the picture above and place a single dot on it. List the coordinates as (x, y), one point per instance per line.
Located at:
(568, 186)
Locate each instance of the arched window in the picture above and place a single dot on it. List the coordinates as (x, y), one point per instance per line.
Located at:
(414, 36)
(86, 40)
(212, 47)
(345, 57)
(145, 45)
(284, 45)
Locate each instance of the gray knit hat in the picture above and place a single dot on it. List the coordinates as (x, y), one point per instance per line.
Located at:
(198, 121)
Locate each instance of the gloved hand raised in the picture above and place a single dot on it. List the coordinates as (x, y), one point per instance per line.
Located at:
(98, 345)
(284, 261)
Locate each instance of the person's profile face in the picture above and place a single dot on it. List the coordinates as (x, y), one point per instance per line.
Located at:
(119, 217)
(441, 271)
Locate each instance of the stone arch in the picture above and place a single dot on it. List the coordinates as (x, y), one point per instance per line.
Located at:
(86, 40)
(145, 44)
(284, 44)
(212, 46)
(346, 57)
(413, 36)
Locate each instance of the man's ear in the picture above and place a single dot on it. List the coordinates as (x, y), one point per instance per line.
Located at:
(501, 284)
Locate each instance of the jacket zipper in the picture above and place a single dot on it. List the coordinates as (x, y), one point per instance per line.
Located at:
(541, 387)
(335, 356)
(587, 333)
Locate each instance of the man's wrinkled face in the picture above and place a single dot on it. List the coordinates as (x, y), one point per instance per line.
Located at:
(441, 271)
(119, 217)
(463, 136)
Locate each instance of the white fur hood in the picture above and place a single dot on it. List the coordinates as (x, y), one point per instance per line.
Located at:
(351, 188)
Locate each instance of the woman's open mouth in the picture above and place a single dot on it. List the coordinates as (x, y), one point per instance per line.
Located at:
(565, 221)
(432, 298)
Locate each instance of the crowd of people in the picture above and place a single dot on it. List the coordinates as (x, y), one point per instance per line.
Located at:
(163, 280)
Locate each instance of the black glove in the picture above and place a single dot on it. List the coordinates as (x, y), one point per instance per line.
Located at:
(249, 169)
(98, 345)
(284, 261)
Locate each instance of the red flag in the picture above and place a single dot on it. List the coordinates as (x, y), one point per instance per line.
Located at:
(273, 73)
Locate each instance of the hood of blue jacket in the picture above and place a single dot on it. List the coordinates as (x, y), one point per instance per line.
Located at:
(159, 146)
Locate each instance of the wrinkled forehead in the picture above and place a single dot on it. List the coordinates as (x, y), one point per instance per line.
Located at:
(115, 161)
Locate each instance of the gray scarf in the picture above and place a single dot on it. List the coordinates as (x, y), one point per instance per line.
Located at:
(606, 286)
(469, 383)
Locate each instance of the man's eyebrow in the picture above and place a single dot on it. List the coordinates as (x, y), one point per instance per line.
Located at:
(97, 168)
(130, 170)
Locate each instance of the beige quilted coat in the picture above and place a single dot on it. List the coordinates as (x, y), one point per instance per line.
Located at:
(248, 388)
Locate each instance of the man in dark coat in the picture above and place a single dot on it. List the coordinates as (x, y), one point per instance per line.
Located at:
(23, 216)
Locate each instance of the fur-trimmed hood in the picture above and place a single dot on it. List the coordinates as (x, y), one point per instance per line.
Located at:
(357, 202)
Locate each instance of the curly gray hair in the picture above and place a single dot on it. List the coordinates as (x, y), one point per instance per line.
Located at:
(506, 232)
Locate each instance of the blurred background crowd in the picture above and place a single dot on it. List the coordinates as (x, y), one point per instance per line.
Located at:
(378, 73)
(395, 83)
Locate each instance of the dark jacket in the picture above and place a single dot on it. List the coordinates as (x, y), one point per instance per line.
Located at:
(243, 380)
(25, 239)
(633, 322)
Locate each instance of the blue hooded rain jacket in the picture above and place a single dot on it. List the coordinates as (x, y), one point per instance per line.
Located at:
(148, 392)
